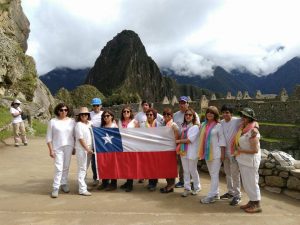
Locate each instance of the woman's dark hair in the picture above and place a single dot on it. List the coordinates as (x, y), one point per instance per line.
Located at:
(60, 106)
(131, 113)
(153, 111)
(227, 107)
(78, 117)
(107, 111)
(194, 121)
(214, 110)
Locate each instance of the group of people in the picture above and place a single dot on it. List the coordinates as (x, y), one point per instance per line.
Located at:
(233, 141)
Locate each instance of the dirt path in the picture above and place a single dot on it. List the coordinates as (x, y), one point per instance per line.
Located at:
(25, 184)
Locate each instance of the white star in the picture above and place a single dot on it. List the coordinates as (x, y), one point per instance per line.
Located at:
(107, 139)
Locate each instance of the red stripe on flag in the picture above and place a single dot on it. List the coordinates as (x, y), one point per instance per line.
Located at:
(137, 165)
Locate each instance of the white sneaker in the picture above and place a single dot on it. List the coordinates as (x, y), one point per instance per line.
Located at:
(195, 192)
(86, 193)
(207, 200)
(65, 188)
(54, 193)
(185, 193)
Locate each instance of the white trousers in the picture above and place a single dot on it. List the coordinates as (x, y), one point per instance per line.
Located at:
(214, 170)
(233, 175)
(61, 165)
(250, 179)
(83, 161)
(190, 169)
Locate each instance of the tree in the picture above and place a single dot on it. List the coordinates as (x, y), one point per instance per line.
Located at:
(63, 95)
(83, 94)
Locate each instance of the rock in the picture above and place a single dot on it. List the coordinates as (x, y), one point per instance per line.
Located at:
(262, 163)
(261, 180)
(273, 189)
(293, 183)
(267, 172)
(264, 153)
(295, 173)
(270, 165)
(275, 181)
(285, 168)
(284, 174)
(297, 164)
(292, 194)
(275, 172)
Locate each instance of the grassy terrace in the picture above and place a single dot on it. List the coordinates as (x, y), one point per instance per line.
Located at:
(279, 124)
(278, 140)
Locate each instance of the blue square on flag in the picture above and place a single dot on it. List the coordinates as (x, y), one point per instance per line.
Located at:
(107, 140)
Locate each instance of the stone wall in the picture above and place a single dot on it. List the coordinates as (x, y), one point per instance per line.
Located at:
(272, 176)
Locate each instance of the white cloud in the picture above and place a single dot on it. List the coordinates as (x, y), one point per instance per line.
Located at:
(190, 36)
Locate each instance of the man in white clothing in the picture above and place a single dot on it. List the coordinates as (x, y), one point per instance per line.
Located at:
(178, 118)
(230, 126)
(95, 114)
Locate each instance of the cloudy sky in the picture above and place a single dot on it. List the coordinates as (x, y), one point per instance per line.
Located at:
(189, 36)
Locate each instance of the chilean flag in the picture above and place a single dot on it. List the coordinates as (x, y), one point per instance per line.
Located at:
(135, 153)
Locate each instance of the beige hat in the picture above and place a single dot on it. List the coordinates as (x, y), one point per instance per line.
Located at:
(83, 110)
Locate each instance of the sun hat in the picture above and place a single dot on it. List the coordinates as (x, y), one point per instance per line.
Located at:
(16, 101)
(83, 110)
(248, 112)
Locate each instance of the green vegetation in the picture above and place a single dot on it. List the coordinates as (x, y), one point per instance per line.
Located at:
(39, 128)
(278, 140)
(121, 97)
(5, 134)
(5, 116)
(4, 6)
(83, 94)
(279, 124)
(64, 96)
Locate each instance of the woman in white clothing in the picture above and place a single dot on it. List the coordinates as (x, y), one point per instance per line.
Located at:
(108, 121)
(212, 142)
(188, 150)
(18, 124)
(248, 157)
(60, 141)
(83, 146)
(127, 121)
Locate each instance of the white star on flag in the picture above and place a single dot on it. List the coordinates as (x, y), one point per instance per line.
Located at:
(107, 139)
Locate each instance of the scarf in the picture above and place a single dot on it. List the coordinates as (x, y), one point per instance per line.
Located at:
(154, 124)
(242, 130)
(169, 124)
(182, 148)
(206, 148)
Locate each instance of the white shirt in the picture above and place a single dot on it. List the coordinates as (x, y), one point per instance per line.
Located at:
(17, 119)
(83, 131)
(193, 147)
(251, 160)
(230, 129)
(131, 124)
(217, 140)
(96, 118)
(141, 118)
(61, 132)
(178, 118)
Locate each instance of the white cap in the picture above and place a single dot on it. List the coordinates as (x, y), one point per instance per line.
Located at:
(16, 101)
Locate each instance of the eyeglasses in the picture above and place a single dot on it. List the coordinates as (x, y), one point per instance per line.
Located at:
(166, 114)
(126, 111)
(188, 114)
(63, 110)
(106, 116)
(96, 105)
(148, 114)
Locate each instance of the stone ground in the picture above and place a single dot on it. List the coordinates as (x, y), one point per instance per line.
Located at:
(25, 184)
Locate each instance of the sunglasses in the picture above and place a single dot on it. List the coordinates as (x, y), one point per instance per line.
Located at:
(106, 116)
(63, 110)
(167, 114)
(96, 105)
(84, 114)
(148, 114)
(188, 114)
(126, 111)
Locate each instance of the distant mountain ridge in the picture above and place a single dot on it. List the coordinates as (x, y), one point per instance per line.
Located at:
(287, 76)
(64, 77)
